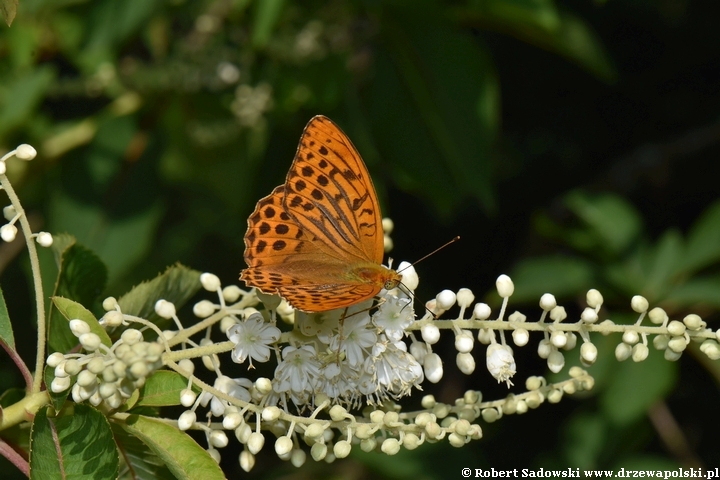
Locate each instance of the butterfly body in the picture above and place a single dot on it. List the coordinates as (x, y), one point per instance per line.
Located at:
(317, 240)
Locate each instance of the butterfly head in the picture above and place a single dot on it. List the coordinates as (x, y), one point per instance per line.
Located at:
(393, 281)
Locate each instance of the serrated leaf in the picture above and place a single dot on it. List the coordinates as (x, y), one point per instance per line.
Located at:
(59, 398)
(182, 455)
(637, 386)
(162, 389)
(177, 285)
(81, 278)
(85, 447)
(6, 330)
(138, 462)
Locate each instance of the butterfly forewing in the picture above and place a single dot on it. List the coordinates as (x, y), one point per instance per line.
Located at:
(330, 193)
(276, 249)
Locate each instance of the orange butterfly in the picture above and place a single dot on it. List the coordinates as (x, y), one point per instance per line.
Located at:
(317, 240)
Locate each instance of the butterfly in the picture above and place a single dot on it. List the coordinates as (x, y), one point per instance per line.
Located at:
(317, 240)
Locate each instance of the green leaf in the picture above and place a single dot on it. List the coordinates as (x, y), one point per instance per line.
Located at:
(177, 285)
(71, 310)
(563, 276)
(106, 234)
(112, 22)
(85, 447)
(162, 389)
(57, 399)
(539, 23)
(81, 278)
(636, 387)
(663, 264)
(138, 462)
(21, 95)
(695, 292)
(703, 242)
(267, 14)
(8, 8)
(6, 330)
(436, 125)
(584, 437)
(614, 223)
(182, 455)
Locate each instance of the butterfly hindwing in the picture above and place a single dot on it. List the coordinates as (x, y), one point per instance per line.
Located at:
(330, 296)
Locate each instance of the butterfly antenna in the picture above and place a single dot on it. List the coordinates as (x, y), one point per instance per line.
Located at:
(407, 291)
(431, 253)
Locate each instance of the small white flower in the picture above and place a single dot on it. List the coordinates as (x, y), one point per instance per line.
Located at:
(251, 339)
(44, 239)
(9, 212)
(164, 308)
(78, 327)
(433, 367)
(8, 232)
(446, 299)
(358, 337)
(394, 316)
(186, 420)
(340, 380)
(505, 286)
(396, 370)
(202, 309)
(501, 363)
(298, 371)
(430, 333)
(235, 387)
(210, 282)
(465, 297)
(409, 276)
(25, 152)
(481, 311)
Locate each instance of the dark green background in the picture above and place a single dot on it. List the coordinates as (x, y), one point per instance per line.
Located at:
(570, 144)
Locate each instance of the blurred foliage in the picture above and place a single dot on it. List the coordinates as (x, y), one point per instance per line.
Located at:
(568, 143)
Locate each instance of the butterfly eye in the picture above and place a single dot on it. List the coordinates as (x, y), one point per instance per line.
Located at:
(390, 284)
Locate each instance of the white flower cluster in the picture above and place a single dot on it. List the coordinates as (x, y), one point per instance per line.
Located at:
(105, 375)
(345, 354)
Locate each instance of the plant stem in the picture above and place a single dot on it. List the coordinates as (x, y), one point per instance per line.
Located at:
(15, 458)
(23, 410)
(37, 283)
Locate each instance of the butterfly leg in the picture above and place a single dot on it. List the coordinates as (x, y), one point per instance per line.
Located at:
(340, 333)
